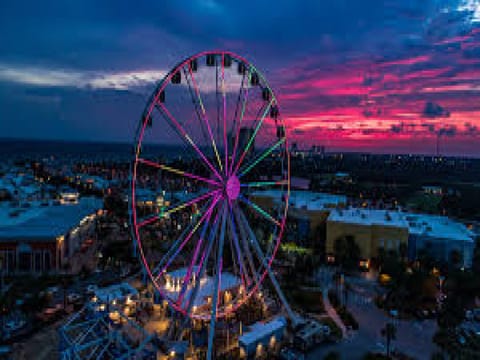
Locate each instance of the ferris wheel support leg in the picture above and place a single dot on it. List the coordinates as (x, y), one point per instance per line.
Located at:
(253, 239)
(215, 294)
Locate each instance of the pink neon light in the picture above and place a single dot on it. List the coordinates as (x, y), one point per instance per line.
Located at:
(245, 96)
(134, 214)
(225, 144)
(184, 133)
(188, 275)
(184, 173)
(193, 201)
(204, 115)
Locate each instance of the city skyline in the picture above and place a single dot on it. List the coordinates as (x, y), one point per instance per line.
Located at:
(352, 76)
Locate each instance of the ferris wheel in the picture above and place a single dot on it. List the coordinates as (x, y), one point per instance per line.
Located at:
(210, 144)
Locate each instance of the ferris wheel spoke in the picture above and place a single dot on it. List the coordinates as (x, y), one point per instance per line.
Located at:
(204, 117)
(264, 183)
(143, 222)
(250, 141)
(266, 262)
(203, 262)
(196, 101)
(188, 275)
(259, 210)
(187, 238)
(189, 140)
(178, 241)
(177, 171)
(224, 95)
(242, 114)
(241, 264)
(261, 157)
(246, 249)
(218, 275)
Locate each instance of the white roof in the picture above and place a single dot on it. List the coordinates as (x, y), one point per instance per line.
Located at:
(369, 217)
(440, 227)
(307, 200)
(207, 283)
(260, 330)
(435, 226)
(37, 221)
(115, 292)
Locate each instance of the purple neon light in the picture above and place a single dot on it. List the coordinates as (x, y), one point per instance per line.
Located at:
(190, 234)
(179, 172)
(188, 275)
(184, 133)
(159, 90)
(234, 153)
(204, 115)
(224, 93)
(237, 247)
(188, 203)
(233, 187)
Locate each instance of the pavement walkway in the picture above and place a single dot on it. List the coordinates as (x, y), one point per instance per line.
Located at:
(333, 314)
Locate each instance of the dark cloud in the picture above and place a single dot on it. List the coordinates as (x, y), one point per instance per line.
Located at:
(448, 131)
(397, 129)
(433, 110)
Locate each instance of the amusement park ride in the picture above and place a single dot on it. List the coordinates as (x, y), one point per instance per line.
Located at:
(219, 119)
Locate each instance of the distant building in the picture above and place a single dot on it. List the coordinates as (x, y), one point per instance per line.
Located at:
(41, 238)
(432, 190)
(308, 208)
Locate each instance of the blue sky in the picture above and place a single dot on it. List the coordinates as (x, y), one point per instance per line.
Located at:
(364, 75)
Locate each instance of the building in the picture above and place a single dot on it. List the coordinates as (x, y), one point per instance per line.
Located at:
(307, 208)
(310, 334)
(432, 190)
(371, 229)
(262, 337)
(374, 229)
(439, 236)
(41, 237)
(173, 281)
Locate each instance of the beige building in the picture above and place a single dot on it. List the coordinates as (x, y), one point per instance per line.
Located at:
(312, 207)
(370, 229)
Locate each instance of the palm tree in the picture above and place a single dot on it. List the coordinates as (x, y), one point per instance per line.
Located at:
(389, 332)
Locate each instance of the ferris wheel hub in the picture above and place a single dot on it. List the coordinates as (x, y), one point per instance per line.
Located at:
(232, 187)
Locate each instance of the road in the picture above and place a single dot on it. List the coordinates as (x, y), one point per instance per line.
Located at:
(414, 338)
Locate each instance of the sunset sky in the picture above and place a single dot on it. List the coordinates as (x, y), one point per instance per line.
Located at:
(370, 75)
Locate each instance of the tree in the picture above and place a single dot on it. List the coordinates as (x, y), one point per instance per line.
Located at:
(332, 355)
(389, 332)
(347, 252)
(455, 258)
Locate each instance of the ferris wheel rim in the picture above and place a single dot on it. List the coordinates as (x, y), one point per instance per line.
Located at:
(138, 143)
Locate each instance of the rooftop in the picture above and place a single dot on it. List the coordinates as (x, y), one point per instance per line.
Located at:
(45, 222)
(307, 200)
(260, 330)
(227, 281)
(115, 292)
(440, 227)
(434, 226)
(369, 217)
